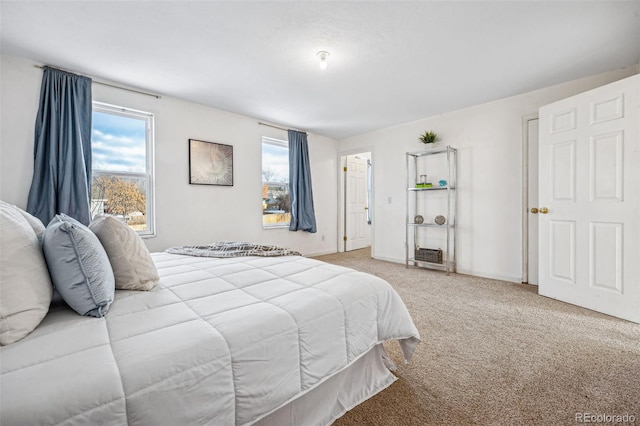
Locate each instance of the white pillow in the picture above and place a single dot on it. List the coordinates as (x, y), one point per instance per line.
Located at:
(130, 259)
(35, 223)
(25, 286)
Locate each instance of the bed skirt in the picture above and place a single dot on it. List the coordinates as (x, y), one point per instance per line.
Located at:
(327, 402)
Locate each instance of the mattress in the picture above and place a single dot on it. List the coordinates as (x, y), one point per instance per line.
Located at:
(218, 341)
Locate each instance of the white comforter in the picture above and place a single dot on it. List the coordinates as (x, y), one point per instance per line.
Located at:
(219, 341)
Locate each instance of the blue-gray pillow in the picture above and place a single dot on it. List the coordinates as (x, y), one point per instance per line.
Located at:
(79, 266)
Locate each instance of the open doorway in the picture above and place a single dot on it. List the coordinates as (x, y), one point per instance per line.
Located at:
(530, 200)
(355, 216)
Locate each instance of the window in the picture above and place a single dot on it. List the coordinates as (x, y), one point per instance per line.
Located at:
(122, 166)
(276, 203)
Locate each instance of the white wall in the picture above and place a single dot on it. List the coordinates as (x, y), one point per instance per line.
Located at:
(185, 214)
(488, 136)
(489, 142)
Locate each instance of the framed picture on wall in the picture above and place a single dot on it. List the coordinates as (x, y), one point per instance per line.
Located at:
(210, 163)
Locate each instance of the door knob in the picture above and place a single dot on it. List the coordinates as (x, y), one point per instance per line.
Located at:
(534, 210)
(544, 210)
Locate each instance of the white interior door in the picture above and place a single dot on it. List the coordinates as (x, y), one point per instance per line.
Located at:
(589, 240)
(356, 203)
(532, 201)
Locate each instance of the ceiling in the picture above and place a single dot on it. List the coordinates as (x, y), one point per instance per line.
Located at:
(391, 62)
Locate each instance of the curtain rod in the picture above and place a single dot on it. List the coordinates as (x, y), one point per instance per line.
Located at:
(277, 127)
(104, 84)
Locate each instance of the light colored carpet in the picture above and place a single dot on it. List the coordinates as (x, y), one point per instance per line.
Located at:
(494, 352)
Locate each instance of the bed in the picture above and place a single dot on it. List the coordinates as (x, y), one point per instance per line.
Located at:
(236, 341)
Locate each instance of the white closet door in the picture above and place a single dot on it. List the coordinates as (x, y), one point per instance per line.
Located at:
(589, 162)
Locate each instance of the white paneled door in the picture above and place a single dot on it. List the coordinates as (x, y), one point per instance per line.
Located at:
(356, 203)
(589, 200)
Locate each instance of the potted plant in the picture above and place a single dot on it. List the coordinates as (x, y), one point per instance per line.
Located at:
(429, 137)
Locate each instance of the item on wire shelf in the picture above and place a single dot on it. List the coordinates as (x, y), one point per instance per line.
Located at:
(424, 185)
(428, 255)
(440, 220)
(442, 182)
(418, 219)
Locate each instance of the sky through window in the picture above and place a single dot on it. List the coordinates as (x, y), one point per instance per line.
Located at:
(118, 143)
(276, 159)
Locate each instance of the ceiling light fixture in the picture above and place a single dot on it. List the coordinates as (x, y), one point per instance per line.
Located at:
(323, 55)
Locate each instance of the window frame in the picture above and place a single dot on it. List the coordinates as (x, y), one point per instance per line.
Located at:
(279, 143)
(149, 173)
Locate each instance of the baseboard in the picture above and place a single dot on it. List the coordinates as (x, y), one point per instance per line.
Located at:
(320, 253)
(461, 271)
(388, 259)
(517, 280)
(511, 279)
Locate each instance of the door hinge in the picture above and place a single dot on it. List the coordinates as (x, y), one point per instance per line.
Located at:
(344, 238)
(345, 169)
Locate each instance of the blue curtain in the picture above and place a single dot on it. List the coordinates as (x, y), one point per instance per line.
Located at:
(62, 148)
(303, 216)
